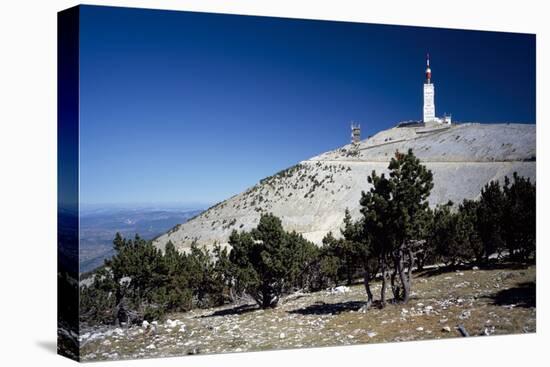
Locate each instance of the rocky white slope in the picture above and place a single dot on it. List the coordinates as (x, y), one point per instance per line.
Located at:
(311, 197)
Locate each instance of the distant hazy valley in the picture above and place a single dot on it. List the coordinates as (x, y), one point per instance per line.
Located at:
(98, 228)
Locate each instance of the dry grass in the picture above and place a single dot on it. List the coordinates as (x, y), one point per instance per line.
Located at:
(499, 301)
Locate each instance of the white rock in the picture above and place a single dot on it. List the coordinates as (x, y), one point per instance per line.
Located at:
(420, 328)
(282, 335)
(182, 329)
(145, 323)
(446, 329)
(151, 346)
(106, 342)
(96, 336)
(172, 323)
(465, 315)
(475, 268)
(371, 334)
(340, 290)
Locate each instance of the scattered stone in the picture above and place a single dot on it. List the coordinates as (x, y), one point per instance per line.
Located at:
(213, 331)
(340, 290)
(464, 315)
(96, 336)
(475, 268)
(172, 323)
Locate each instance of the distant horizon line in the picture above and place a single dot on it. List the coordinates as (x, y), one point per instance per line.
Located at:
(191, 205)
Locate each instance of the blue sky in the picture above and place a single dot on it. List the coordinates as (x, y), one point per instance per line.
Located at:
(192, 108)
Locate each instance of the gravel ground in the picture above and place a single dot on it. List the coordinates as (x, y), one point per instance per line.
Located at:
(484, 302)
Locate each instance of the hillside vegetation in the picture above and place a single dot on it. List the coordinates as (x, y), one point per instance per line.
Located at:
(312, 196)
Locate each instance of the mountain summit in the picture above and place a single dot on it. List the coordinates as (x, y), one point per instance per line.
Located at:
(311, 196)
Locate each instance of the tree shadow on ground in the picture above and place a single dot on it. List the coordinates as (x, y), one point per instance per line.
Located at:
(524, 295)
(238, 310)
(322, 308)
(491, 266)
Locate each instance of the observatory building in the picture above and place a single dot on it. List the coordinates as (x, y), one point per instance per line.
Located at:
(429, 99)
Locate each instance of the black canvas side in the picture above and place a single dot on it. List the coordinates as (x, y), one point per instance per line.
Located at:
(67, 175)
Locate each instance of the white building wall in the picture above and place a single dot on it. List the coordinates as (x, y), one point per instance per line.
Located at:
(429, 105)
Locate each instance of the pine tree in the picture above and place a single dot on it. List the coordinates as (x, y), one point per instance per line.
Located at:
(519, 217)
(395, 219)
(267, 260)
(490, 219)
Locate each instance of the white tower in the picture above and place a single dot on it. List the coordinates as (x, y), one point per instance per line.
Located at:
(429, 105)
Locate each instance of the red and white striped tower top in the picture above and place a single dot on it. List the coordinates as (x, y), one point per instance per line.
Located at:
(428, 70)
